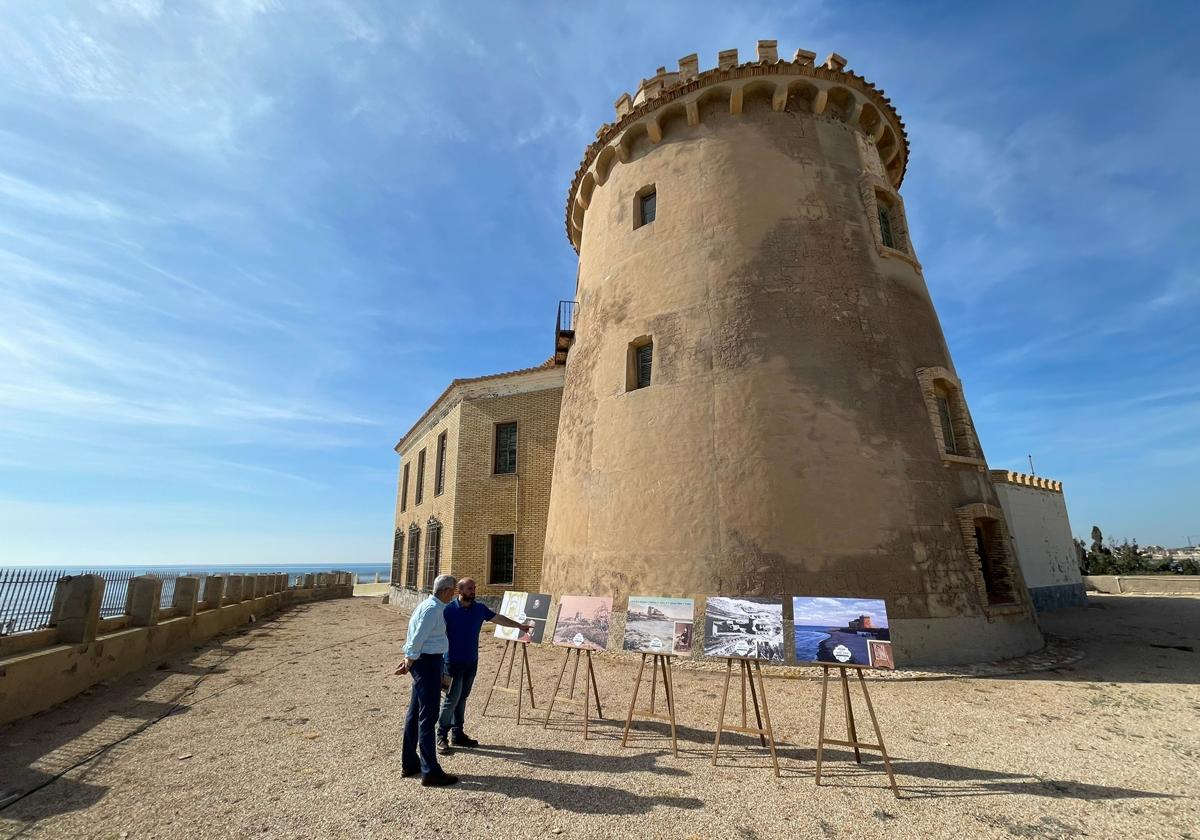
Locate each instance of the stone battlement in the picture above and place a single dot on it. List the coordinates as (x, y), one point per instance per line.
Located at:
(1009, 477)
(827, 90)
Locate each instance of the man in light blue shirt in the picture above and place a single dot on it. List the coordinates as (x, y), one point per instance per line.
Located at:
(424, 649)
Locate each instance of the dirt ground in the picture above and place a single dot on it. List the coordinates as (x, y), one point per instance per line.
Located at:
(292, 730)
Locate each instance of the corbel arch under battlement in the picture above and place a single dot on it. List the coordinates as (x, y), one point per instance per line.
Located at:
(648, 126)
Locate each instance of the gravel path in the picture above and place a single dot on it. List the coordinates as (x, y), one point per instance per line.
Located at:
(291, 730)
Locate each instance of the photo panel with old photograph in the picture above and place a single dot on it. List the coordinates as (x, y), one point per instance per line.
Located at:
(523, 607)
(583, 622)
(655, 625)
(744, 628)
(842, 631)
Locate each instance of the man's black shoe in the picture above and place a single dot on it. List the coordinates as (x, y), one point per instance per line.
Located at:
(439, 779)
(443, 746)
(463, 740)
(410, 773)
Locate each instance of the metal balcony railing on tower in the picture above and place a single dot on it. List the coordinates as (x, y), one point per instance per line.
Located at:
(564, 331)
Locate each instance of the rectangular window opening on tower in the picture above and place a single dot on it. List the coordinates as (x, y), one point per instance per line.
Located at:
(420, 491)
(647, 205)
(639, 363)
(949, 442)
(506, 449)
(501, 560)
(885, 227)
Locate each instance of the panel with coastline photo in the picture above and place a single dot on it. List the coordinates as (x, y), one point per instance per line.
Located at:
(842, 631)
(654, 625)
(524, 606)
(744, 628)
(583, 622)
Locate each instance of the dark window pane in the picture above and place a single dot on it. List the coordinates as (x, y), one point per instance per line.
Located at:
(414, 553)
(646, 206)
(506, 447)
(397, 558)
(947, 426)
(433, 555)
(439, 475)
(645, 355)
(885, 227)
(404, 490)
(420, 492)
(502, 561)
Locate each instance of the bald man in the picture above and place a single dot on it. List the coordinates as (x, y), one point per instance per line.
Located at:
(465, 617)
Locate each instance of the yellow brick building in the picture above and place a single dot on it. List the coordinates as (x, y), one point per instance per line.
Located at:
(474, 482)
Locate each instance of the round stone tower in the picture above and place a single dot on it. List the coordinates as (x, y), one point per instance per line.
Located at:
(759, 399)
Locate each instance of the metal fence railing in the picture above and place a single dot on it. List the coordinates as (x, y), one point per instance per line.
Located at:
(26, 598)
(27, 595)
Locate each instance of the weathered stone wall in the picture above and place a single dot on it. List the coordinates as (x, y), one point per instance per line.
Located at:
(785, 445)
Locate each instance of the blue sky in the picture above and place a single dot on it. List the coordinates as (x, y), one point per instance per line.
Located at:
(244, 243)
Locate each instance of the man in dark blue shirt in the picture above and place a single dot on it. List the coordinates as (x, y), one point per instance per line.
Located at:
(465, 617)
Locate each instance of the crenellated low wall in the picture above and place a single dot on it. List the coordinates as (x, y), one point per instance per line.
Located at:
(79, 649)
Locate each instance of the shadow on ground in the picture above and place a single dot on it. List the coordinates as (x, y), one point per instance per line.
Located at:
(81, 735)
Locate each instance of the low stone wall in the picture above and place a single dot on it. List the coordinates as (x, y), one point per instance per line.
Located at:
(1144, 584)
(43, 667)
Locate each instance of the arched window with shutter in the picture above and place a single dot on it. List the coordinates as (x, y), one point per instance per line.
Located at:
(414, 554)
(397, 557)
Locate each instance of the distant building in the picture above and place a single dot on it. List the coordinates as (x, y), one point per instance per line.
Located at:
(1036, 511)
(863, 622)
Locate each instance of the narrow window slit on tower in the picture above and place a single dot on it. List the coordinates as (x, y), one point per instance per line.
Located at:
(948, 436)
(639, 363)
(885, 227)
(646, 205)
(645, 355)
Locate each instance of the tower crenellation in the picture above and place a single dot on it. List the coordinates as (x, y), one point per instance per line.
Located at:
(828, 90)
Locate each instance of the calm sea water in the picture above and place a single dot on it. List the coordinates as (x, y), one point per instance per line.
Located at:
(25, 604)
(808, 639)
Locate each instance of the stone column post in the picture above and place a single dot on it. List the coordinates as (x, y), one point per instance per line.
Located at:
(184, 598)
(260, 586)
(310, 580)
(214, 590)
(142, 600)
(322, 580)
(233, 589)
(76, 611)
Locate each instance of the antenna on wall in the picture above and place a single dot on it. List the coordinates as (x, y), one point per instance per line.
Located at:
(1031, 470)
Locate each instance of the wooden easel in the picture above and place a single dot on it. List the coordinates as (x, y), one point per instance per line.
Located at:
(524, 679)
(659, 661)
(589, 681)
(853, 743)
(765, 734)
